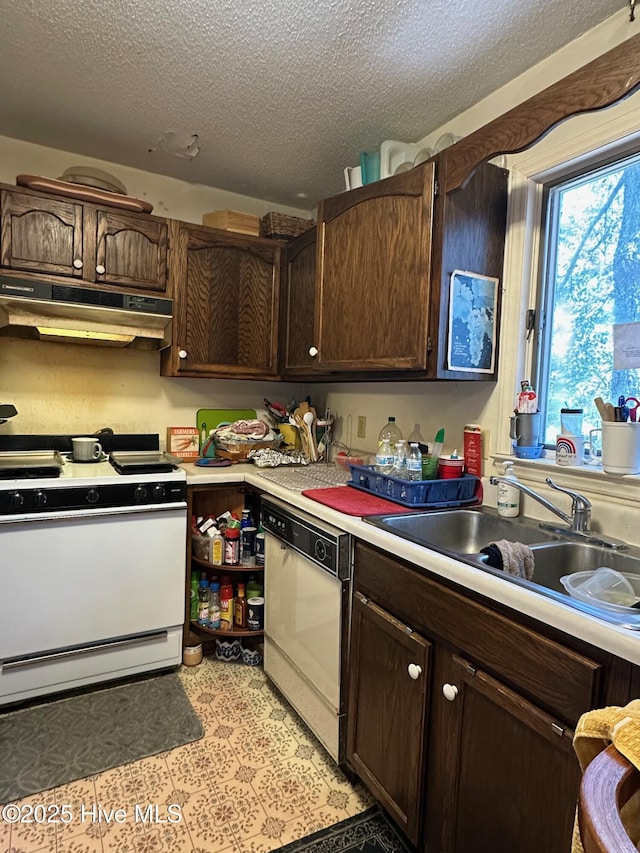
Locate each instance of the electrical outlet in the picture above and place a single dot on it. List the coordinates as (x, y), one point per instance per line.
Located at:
(362, 426)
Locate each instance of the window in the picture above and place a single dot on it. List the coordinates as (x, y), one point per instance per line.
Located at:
(591, 280)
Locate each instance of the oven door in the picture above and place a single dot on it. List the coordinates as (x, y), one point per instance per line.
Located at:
(89, 595)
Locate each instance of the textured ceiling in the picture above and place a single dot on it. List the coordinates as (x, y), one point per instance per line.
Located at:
(282, 93)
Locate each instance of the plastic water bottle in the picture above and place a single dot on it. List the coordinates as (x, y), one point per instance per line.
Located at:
(400, 459)
(414, 462)
(390, 431)
(384, 457)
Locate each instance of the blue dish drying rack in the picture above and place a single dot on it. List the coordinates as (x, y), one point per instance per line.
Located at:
(426, 494)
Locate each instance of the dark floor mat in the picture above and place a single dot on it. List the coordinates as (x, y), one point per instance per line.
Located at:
(49, 744)
(369, 832)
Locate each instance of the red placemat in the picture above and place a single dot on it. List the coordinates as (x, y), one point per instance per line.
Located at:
(353, 501)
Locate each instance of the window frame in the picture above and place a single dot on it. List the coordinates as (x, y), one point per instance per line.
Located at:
(573, 146)
(544, 296)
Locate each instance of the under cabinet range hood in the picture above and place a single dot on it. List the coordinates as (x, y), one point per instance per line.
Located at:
(88, 315)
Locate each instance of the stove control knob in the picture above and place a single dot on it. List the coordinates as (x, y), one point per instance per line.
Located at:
(41, 499)
(16, 500)
(93, 496)
(158, 491)
(139, 494)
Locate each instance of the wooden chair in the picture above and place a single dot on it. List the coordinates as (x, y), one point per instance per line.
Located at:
(607, 784)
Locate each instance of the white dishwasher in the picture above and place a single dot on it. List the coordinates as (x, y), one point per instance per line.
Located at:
(307, 601)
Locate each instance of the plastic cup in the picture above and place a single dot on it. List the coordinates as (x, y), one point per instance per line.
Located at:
(449, 469)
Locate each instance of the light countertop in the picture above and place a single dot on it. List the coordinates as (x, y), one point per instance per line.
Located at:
(619, 641)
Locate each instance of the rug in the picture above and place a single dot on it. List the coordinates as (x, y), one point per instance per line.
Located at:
(368, 832)
(52, 743)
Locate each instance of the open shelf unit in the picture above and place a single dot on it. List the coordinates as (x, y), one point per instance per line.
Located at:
(204, 500)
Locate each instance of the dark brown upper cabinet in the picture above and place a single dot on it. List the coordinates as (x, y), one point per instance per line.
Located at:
(373, 279)
(385, 253)
(297, 305)
(225, 288)
(47, 235)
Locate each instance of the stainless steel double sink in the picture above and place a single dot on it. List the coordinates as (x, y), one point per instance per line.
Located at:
(463, 533)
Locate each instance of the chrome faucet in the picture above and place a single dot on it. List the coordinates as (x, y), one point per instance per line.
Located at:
(580, 518)
(578, 522)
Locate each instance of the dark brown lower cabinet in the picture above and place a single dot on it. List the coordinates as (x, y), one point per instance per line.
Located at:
(474, 754)
(387, 727)
(510, 774)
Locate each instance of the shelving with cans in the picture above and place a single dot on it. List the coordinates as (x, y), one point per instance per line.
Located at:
(226, 595)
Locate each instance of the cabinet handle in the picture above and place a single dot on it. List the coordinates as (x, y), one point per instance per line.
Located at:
(414, 670)
(182, 353)
(449, 691)
(77, 263)
(313, 351)
(100, 269)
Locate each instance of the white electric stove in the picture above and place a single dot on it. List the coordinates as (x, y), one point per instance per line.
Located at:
(92, 570)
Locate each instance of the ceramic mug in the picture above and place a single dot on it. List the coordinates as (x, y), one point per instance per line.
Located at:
(569, 449)
(86, 449)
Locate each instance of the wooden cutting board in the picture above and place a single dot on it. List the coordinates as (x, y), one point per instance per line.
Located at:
(208, 419)
(83, 193)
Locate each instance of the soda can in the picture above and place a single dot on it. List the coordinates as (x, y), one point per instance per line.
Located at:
(248, 546)
(260, 549)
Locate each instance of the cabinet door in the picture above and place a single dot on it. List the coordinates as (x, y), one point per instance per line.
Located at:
(41, 234)
(388, 684)
(130, 250)
(225, 289)
(374, 263)
(511, 778)
(298, 305)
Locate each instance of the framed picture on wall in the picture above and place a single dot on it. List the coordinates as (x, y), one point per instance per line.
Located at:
(471, 346)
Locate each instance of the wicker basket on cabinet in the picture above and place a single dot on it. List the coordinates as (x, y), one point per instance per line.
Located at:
(279, 226)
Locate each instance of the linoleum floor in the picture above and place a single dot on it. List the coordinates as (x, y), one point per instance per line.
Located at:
(257, 780)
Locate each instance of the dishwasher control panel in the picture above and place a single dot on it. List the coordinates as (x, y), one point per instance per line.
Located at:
(326, 546)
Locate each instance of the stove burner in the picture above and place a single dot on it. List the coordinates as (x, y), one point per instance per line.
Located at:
(144, 462)
(30, 464)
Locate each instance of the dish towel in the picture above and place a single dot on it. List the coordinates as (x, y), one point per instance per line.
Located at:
(595, 731)
(511, 557)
